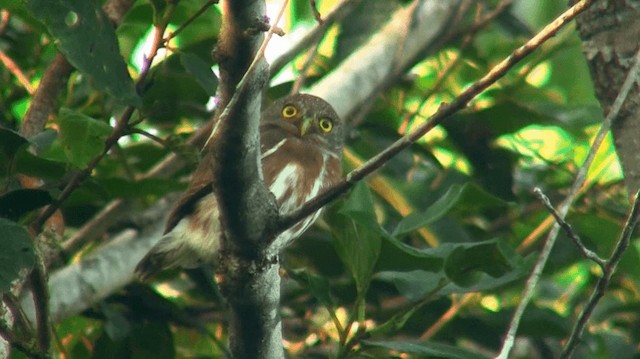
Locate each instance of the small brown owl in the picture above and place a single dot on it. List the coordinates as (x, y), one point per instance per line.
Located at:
(301, 146)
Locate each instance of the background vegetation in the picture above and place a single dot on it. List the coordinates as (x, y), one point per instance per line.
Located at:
(426, 258)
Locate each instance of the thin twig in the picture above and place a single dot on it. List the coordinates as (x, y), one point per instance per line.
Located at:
(299, 82)
(443, 112)
(338, 13)
(578, 182)
(197, 14)
(603, 282)
(623, 242)
(316, 13)
(586, 252)
(17, 72)
(240, 88)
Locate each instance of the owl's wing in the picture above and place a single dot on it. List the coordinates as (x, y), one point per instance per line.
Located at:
(200, 186)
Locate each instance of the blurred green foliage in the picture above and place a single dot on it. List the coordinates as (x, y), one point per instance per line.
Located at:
(427, 258)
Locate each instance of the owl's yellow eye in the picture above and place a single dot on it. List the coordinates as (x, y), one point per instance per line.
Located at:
(289, 111)
(325, 124)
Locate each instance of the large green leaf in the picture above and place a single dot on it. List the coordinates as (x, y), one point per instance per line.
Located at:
(436, 211)
(82, 137)
(401, 257)
(201, 72)
(16, 252)
(87, 38)
(413, 285)
(467, 262)
(357, 237)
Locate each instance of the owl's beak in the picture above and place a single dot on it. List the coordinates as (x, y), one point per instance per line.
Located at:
(306, 125)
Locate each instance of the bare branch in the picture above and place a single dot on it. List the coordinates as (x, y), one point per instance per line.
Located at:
(586, 252)
(630, 225)
(603, 283)
(564, 207)
(17, 72)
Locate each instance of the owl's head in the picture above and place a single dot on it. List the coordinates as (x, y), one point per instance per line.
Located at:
(307, 118)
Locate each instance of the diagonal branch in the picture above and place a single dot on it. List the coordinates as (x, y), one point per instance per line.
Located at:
(608, 271)
(630, 225)
(446, 110)
(586, 252)
(564, 207)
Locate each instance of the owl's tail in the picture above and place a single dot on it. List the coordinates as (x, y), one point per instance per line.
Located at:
(167, 253)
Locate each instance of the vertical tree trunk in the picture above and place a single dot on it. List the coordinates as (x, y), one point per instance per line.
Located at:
(610, 33)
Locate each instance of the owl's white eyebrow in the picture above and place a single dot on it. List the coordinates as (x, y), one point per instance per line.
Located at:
(273, 149)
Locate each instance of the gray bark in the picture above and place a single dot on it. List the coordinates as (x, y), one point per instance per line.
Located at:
(610, 33)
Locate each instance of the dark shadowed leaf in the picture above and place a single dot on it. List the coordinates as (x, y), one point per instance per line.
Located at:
(467, 262)
(87, 38)
(413, 285)
(30, 165)
(119, 187)
(16, 252)
(10, 142)
(318, 286)
(201, 72)
(436, 211)
(401, 257)
(424, 349)
(82, 137)
(15, 204)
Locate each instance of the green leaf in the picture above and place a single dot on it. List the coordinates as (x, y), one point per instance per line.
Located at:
(152, 339)
(119, 187)
(356, 239)
(424, 349)
(359, 206)
(413, 285)
(318, 286)
(15, 204)
(10, 142)
(436, 211)
(201, 72)
(86, 37)
(159, 9)
(16, 252)
(30, 165)
(82, 137)
(401, 257)
(467, 262)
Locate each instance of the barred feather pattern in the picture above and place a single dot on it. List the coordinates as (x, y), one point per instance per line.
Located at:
(298, 163)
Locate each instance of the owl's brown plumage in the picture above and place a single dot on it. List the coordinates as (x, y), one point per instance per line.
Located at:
(301, 140)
